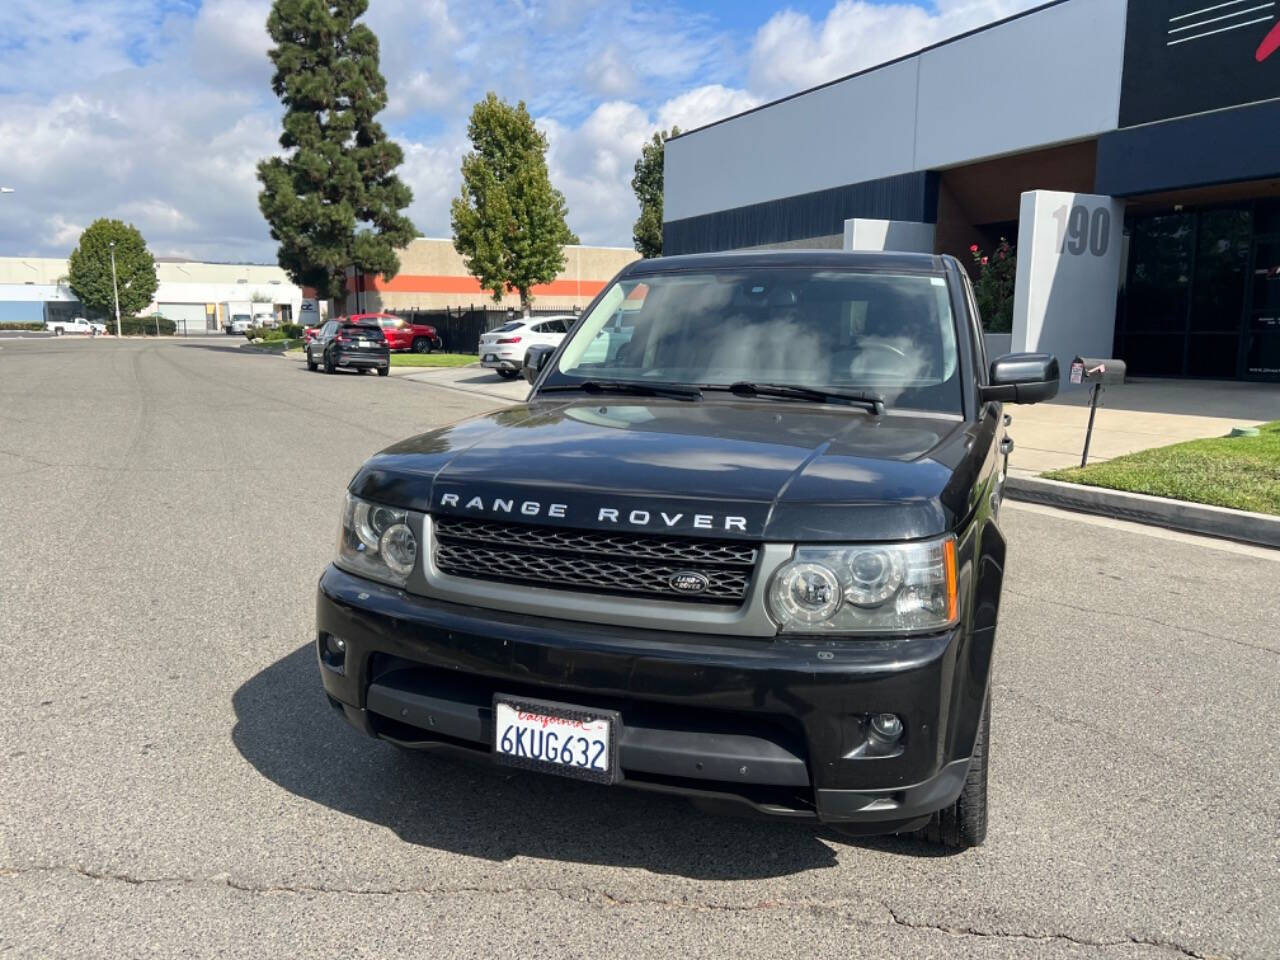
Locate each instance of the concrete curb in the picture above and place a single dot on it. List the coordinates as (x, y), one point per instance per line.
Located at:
(1256, 528)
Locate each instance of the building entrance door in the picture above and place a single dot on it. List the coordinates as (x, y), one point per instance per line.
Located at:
(1183, 311)
(1261, 346)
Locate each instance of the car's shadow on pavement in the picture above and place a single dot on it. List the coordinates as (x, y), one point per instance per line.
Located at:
(285, 728)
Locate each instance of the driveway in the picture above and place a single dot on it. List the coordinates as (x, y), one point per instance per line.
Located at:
(175, 784)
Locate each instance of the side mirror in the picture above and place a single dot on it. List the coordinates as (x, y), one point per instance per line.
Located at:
(536, 359)
(1023, 378)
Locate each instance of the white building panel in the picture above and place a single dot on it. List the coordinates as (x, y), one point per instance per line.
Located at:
(855, 130)
(1045, 78)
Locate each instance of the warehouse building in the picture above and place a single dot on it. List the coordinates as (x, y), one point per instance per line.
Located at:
(1131, 150)
(433, 276)
(190, 293)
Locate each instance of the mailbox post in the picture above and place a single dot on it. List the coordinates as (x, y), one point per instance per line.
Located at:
(1098, 373)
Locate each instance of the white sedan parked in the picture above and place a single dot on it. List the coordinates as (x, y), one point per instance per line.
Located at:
(503, 350)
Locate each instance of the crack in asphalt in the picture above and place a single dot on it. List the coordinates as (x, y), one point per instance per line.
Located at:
(585, 896)
(1129, 939)
(1134, 616)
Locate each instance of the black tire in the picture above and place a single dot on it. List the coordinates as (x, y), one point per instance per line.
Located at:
(311, 364)
(58, 331)
(328, 364)
(384, 371)
(964, 823)
(422, 345)
(508, 374)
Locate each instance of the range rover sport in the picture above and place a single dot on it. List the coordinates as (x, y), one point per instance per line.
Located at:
(749, 554)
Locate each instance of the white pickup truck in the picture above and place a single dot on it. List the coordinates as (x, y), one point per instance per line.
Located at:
(75, 325)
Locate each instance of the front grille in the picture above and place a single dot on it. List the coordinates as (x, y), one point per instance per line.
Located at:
(618, 563)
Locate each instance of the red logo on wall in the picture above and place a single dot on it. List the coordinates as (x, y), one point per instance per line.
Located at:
(1270, 43)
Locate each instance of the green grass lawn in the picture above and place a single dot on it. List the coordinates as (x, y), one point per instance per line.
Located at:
(1238, 472)
(433, 359)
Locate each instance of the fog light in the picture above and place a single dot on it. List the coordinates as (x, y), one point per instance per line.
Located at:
(886, 727)
(333, 653)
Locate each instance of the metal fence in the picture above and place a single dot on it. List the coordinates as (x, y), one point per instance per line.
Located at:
(460, 328)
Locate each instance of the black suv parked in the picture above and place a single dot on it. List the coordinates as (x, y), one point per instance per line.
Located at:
(354, 345)
(748, 553)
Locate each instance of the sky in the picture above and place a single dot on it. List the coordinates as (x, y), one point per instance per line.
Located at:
(157, 111)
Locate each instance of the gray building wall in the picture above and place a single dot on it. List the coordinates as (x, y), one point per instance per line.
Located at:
(1049, 76)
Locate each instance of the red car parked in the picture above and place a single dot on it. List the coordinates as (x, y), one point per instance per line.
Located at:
(400, 333)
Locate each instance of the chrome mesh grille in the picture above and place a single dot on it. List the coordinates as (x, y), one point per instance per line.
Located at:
(619, 563)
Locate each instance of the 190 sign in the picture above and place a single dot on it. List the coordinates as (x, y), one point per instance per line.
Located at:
(1078, 231)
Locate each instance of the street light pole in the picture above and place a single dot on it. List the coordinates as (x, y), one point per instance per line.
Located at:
(115, 290)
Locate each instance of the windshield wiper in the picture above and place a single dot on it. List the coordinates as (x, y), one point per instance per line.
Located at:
(674, 391)
(745, 388)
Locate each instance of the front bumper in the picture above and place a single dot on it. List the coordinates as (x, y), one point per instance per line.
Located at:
(776, 726)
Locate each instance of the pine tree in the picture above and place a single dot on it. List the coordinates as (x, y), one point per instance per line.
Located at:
(90, 269)
(509, 221)
(647, 184)
(334, 200)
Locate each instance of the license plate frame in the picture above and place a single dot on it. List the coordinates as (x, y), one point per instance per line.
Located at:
(490, 358)
(570, 714)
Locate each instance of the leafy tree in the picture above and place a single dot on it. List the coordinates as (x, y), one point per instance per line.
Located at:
(90, 273)
(334, 200)
(509, 221)
(647, 184)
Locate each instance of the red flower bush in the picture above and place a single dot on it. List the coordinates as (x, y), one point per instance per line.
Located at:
(993, 286)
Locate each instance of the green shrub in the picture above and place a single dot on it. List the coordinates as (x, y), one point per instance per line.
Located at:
(21, 326)
(994, 287)
(291, 331)
(264, 333)
(146, 326)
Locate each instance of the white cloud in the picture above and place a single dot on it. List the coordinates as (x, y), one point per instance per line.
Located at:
(792, 52)
(158, 113)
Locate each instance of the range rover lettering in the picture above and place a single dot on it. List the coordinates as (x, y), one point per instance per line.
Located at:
(749, 554)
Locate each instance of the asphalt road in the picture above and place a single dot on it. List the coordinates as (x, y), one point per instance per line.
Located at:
(173, 783)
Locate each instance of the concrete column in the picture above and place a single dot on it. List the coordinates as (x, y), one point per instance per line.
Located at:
(905, 236)
(1069, 254)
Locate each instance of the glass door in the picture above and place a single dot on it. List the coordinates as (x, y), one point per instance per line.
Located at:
(1261, 346)
(1183, 312)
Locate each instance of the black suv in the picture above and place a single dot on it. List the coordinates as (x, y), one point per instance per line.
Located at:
(748, 553)
(354, 345)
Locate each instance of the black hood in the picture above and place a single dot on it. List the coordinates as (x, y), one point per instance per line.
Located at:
(718, 468)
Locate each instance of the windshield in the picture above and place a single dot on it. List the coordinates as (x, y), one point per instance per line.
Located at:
(888, 334)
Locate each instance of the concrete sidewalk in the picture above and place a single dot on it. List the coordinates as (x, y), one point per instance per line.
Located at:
(1136, 416)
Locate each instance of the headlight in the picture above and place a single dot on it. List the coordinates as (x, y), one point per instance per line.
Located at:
(376, 542)
(880, 588)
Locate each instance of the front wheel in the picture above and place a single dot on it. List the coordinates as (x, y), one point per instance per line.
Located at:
(508, 374)
(422, 345)
(384, 371)
(58, 331)
(964, 823)
(328, 364)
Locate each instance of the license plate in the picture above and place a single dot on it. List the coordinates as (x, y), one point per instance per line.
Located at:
(363, 343)
(490, 357)
(556, 738)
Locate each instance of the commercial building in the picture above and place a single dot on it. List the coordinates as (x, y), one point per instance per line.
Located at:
(190, 293)
(433, 276)
(1130, 149)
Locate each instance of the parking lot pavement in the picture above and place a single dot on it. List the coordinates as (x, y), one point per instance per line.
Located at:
(175, 785)
(472, 380)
